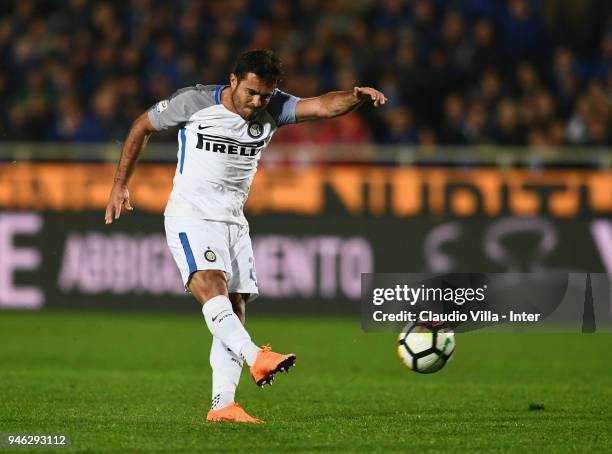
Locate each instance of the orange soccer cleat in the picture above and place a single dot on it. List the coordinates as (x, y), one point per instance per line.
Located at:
(267, 363)
(231, 413)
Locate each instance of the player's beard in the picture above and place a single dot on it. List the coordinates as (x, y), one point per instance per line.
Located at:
(240, 108)
(252, 115)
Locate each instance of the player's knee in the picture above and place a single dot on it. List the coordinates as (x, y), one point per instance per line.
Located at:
(239, 305)
(207, 284)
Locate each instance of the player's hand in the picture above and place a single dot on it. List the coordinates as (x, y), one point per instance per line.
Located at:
(370, 94)
(119, 198)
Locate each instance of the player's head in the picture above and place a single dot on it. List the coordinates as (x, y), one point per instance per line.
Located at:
(254, 78)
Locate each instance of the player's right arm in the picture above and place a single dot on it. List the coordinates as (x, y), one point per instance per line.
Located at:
(165, 114)
(134, 145)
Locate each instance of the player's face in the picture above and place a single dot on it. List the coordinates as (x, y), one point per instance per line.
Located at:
(251, 95)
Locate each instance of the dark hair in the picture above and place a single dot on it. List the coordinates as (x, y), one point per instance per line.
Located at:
(261, 62)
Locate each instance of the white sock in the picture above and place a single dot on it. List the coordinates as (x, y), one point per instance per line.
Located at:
(224, 324)
(226, 368)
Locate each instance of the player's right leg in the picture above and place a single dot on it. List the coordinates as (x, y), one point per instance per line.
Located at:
(200, 249)
(201, 252)
(243, 284)
(210, 289)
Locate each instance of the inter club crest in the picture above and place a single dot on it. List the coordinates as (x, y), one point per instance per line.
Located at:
(255, 129)
(210, 256)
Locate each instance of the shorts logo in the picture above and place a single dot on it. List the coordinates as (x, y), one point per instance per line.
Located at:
(210, 256)
(161, 106)
(255, 129)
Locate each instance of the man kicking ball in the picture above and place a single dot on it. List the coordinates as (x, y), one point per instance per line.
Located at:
(224, 129)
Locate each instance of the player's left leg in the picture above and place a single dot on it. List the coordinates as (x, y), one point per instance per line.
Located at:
(226, 365)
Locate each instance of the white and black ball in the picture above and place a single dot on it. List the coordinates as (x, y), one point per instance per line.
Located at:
(426, 347)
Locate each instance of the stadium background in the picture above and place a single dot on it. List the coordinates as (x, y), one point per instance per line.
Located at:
(493, 154)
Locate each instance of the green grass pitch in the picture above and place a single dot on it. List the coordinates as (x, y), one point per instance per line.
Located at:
(141, 383)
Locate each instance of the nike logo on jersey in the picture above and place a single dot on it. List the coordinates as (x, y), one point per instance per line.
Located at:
(200, 127)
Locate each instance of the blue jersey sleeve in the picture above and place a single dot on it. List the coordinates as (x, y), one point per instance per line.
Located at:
(282, 108)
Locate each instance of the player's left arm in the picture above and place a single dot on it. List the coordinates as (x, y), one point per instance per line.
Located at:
(336, 103)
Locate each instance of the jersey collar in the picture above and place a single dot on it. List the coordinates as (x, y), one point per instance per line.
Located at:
(218, 91)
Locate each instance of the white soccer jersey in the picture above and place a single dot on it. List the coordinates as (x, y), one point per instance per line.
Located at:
(218, 150)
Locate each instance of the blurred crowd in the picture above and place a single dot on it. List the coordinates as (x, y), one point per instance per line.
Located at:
(456, 72)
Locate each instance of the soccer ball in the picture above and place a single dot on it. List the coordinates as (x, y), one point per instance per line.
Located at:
(425, 347)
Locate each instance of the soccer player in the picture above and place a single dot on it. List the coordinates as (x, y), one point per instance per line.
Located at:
(223, 130)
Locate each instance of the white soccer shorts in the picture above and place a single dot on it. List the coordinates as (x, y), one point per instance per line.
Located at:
(201, 244)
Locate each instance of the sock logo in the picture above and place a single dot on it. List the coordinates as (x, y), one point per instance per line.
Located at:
(240, 363)
(217, 316)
